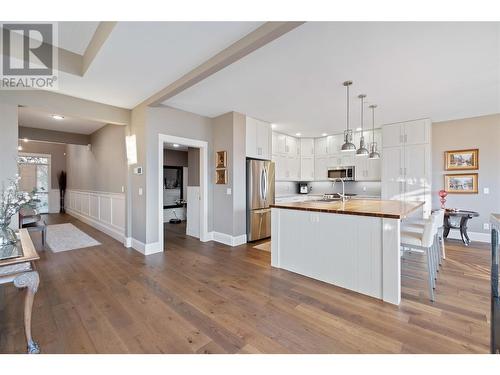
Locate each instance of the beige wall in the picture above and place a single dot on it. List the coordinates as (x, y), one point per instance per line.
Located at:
(478, 132)
(57, 152)
(103, 167)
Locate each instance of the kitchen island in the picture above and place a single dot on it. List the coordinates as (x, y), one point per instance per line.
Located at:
(352, 244)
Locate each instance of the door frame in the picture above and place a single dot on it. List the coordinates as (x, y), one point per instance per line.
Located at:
(203, 146)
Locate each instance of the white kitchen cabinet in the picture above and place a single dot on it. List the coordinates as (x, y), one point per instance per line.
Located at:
(279, 143)
(258, 139)
(293, 168)
(306, 147)
(410, 133)
(367, 169)
(321, 146)
(321, 164)
(292, 146)
(307, 168)
(406, 164)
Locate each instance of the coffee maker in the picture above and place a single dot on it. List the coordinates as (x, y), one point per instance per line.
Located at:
(304, 188)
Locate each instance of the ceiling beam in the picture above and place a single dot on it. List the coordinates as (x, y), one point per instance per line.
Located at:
(98, 39)
(244, 46)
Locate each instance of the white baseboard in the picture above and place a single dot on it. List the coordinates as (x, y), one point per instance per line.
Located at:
(146, 249)
(127, 242)
(109, 230)
(474, 236)
(227, 239)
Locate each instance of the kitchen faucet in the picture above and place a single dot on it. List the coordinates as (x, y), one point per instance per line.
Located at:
(343, 196)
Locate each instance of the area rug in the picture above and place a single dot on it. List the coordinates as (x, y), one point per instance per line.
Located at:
(266, 246)
(64, 237)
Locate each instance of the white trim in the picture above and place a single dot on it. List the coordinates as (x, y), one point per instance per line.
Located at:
(203, 146)
(227, 239)
(474, 236)
(79, 205)
(127, 242)
(108, 229)
(146, 249)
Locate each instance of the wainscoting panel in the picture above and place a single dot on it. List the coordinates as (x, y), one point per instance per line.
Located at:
(104, 211)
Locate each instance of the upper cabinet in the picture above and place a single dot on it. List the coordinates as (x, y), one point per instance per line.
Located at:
(307, 147)
(258, 139)
(406, 133)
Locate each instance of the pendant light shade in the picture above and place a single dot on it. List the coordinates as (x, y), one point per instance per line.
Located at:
(362, 150)
(348, 146)
(373, 147)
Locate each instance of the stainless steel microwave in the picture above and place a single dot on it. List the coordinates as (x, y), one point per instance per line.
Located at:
(345, 173)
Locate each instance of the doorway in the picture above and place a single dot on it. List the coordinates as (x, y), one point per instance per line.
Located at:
(175, 182)
(34, 172)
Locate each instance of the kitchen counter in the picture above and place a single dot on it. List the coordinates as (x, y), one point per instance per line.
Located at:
(357, 206)
(353, 244)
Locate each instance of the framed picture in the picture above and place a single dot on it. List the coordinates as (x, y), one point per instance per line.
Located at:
(221, 176)
(221, 159)
(461, 183)
(461, 159)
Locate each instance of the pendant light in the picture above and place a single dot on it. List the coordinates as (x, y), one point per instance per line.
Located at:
(348, 146)
(373, 147)
(362, 151)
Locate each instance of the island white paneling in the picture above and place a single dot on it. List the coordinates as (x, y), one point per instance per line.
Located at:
(102, 210)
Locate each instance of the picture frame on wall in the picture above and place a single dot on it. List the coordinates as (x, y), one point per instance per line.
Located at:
(221, 176)
(466, 183)
(461, 159)
(221, 159)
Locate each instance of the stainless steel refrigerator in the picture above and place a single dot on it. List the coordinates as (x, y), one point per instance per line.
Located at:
(260, 194)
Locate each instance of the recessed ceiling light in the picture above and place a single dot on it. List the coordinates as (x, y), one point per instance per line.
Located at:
(175, 145)
(324, 134)
(19, 148)
(273, 126)
(25, 140)
(57, 117)
(298, 134)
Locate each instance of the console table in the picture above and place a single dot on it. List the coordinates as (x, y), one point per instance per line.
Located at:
(464, 218)
(22, 273)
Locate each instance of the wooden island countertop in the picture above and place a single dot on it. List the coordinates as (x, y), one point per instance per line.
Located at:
(390, 209)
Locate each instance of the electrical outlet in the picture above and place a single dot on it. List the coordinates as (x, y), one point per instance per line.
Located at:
(486, 226)
(123, 189)
(364, 188)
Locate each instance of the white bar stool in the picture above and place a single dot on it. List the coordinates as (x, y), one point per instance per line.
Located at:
(425, 240)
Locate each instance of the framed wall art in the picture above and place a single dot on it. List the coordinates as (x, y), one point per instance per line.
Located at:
(221, 159)
(221, 176)
(461, 183)
(461, 159)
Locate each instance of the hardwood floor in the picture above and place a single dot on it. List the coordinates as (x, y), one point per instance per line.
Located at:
(209, 298)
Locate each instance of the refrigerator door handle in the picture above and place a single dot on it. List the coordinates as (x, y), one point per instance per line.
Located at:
(265, 185)
(262, 196)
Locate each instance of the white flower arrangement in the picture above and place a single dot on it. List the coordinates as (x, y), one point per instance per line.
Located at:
(11, 201)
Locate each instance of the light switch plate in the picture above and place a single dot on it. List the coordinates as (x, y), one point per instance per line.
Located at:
(486, 226)
(140, 191)
(228, 191)
(486, 190)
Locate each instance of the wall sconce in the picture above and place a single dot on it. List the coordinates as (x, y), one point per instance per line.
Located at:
(131, 145)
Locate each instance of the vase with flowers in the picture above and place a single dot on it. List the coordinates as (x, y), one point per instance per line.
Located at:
(11, 201)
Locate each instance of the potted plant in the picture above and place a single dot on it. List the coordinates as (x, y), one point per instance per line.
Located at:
(61, 179)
